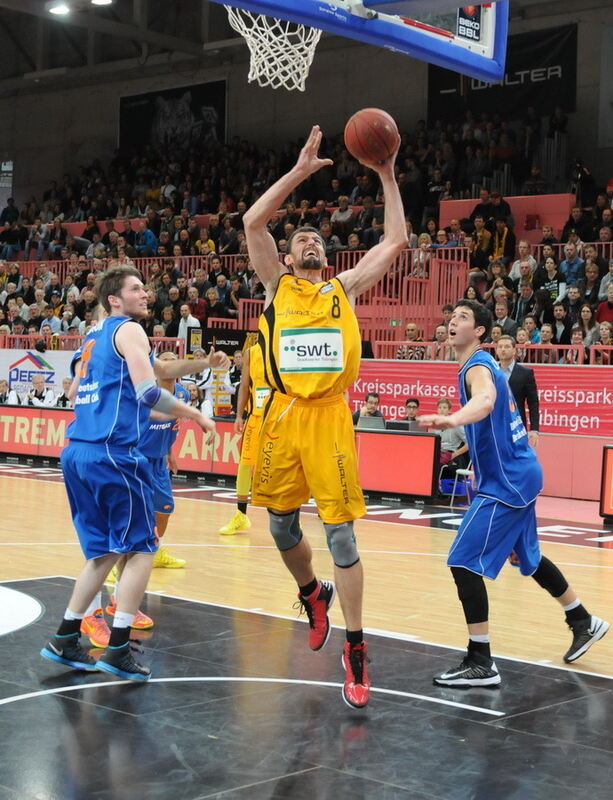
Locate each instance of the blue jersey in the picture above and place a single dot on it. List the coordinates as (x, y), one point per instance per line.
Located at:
(106, 409)
(160, 436)
(506, 467)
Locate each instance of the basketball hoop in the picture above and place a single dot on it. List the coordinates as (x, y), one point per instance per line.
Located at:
(281, 52)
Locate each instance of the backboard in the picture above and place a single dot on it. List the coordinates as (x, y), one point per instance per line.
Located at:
(471, 39)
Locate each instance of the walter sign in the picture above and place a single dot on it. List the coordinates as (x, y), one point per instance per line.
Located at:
(469, 23)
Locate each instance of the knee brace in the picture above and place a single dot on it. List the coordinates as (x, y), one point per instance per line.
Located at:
(472, 594)
(285, 528)
(341, 543)
(550, 578)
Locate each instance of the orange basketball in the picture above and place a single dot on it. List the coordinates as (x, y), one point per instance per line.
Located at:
(371, 135)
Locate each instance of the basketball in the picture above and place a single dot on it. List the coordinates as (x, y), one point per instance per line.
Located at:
(371, 135)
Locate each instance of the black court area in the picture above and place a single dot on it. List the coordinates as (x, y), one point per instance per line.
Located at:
(239, 707)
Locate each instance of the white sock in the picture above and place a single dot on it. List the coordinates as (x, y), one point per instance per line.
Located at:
(572, 605)
(479, 637)
(123, 620)
(68, 614)
(95, 604)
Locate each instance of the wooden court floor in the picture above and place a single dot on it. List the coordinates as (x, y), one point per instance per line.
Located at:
(409, 592)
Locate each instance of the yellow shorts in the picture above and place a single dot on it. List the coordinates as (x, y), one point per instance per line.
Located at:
(251, 435)
(307, 448)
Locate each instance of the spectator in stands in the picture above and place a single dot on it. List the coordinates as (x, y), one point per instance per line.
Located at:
(238, 291)
(578, 222)
(420, 258)
(197, 306)
(408, 351)
(498, 278)
(10, 213)
(605, 283)
(503, 242)
(196, 396)
(605, 330)
(63, 400)
(604, 312)
(501, 317)
(483, 237)
(39, 394)
(186, 321)
(561, 326)
(8, 397)
(369, 409)
(572, 268)
(483, 209)
(551, 279)
(587, 323)
(87, 323)
(9, 241)
(50, 319)
(523, 255)
(38, 237)
(145, 241)
(342, 219)
(216, 270)
(535, 183)
(604, 237)
(228, 243)
(472, 293)
(332, 244)
(412, 408)
(548, 237)
(453, 440)
(442, 350)
(525, 274)
(524, 303)
(591, 256)
(572, 302)
(441, 239)
(589, 286)
(530, 325)
(578, 355)
(215, 308)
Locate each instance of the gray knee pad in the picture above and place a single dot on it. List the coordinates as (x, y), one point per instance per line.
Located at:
(285, 528)
(341, 543)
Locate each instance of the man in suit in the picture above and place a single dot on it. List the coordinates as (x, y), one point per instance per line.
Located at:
(522, 385)
(502, 318)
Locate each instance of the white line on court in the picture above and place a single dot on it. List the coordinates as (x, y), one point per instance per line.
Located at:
(232, 679)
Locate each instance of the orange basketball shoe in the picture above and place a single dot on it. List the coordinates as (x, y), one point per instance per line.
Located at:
(95, 628)
(141, 621)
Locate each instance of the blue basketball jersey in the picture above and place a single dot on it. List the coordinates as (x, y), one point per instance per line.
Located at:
(160, 436)
(106, 409)
(506, 467)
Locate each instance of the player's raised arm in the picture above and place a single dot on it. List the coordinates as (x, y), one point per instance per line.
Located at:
(370, 269)
(132, 343)
(261, 245)
(482, 398)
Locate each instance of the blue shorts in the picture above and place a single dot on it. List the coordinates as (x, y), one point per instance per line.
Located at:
(163, 501)
(110, 491)
(489, 532)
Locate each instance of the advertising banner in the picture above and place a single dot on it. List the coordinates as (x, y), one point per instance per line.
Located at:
(573, 399)
(541, 70)
(173, 120)
(18, 367)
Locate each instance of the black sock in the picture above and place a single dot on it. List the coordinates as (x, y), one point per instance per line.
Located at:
(576, 614)
(119, 637)
(69, 627)
(305, 591)
(482, 648)
(242, 507)
(355, 637)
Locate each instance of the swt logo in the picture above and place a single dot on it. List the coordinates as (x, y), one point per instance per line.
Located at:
(311, 350)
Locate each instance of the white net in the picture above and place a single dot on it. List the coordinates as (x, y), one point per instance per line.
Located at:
(281, 52)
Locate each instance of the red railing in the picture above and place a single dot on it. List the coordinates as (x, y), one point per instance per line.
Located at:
(58, 341)
(527, 354)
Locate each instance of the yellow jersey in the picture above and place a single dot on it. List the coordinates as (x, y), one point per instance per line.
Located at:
(310, 339)
(258, 389)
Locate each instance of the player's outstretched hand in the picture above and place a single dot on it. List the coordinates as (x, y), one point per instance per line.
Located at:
(387, 166)
(239, 425)
(437, 421)
(218, 359)
(309, 160)
(208, 426)
(172, 464)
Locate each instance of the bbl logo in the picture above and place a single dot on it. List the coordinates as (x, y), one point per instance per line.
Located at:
(469, 23)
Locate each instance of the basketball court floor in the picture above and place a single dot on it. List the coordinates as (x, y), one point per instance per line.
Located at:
(239, 707)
